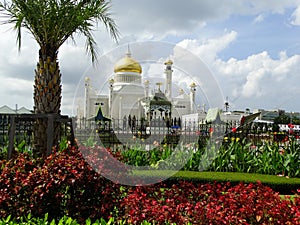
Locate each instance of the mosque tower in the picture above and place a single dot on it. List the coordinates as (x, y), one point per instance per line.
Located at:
(86, 97)
(110, 97)
(192, 96)
(168, 72)
(146, 83)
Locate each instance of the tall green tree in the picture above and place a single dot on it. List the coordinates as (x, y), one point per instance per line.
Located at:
(282, 119)
(52, 23)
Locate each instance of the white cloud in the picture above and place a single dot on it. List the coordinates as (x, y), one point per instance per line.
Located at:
(260, 18)
(155, 20)
(256, 81)
(16, 91)
(252, 87)
(295, 18)
(208, 49)
(259, 79)
(257, 76)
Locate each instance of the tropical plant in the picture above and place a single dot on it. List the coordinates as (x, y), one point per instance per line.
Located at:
(217, 203)
(29, 220)
(52, 23)
(64, 189)
(61, 184)
(234, 156)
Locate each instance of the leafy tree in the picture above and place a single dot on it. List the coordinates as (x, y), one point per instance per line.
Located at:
(282, 119)
(295, 120)
(52, 23)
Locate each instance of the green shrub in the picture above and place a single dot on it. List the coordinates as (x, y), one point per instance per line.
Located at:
(65, 220)
(233, 156)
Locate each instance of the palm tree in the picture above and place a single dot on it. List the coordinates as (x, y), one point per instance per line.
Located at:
(52, 23)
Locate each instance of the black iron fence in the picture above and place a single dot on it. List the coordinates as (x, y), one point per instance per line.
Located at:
(120, 131)
(17, 128)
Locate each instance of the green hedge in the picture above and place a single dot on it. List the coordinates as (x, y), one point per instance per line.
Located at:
(283, 185)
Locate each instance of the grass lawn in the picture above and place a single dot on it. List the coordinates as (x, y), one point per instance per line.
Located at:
(281, 184)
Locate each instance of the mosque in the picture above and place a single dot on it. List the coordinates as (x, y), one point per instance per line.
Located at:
(130, 95)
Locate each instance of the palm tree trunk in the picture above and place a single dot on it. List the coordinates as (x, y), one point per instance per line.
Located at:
(47, 100)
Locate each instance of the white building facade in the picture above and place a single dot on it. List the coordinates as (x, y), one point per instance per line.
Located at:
(129, 93)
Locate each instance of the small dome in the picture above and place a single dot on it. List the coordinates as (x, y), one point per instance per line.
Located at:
(127, 64)
(160, 98)
(169, 62)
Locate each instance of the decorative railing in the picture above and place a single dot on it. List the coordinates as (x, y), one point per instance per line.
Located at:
(15, 128)
(120, 131)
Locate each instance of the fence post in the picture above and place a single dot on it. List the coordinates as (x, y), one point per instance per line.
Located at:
(50, 131)
(72, 131)
(12, 131)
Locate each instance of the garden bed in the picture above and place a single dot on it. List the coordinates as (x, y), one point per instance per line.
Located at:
(281, 184)
(64, 184)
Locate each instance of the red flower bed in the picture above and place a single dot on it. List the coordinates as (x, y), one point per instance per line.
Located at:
(62, 184)
(65, 184)
(209, 204)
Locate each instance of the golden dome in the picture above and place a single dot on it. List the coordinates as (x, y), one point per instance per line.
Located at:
(169, 62)
(127, 64)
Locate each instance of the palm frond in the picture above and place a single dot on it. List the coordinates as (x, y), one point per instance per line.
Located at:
(90, 44)
(52, 22)
(105, 17)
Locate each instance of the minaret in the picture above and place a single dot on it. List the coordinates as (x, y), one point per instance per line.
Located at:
(111, 82)
(226, 104)
(192, 96)
(128, 51)
(146, 83)
(168, 72)
(86, 109)
(158, 86)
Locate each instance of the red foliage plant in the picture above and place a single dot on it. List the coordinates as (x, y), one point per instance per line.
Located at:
(65, 184)
(62, 184)
(209, 204)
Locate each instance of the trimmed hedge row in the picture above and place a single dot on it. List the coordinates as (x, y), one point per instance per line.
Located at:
(283, 185)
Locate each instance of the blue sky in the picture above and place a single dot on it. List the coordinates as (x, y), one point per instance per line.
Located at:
(252, 48)
(273, 34)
